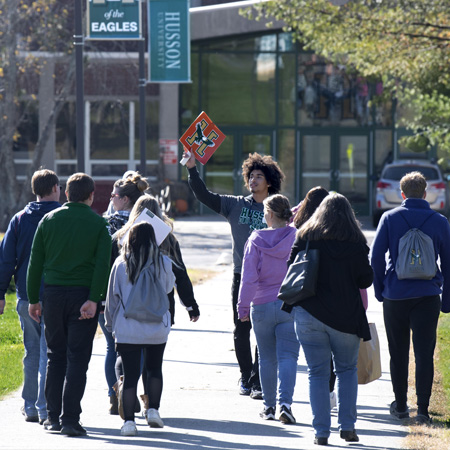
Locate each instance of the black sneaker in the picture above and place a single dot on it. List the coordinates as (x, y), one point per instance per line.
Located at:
(244, 388)
(73, 430)
(321, 440)
(396, 413)
(286, 415)
(268, 413)
(349, 436)
(51, 426)
(256, 393)
(422, 419)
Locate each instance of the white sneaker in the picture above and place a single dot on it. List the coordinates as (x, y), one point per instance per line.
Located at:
(128, 428)
(153, 419)
(332, 400)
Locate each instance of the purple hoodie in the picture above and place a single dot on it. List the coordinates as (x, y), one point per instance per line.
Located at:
(264, 266)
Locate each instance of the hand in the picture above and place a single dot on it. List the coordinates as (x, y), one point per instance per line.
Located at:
(245, 319)
(35, 312)
(88, 310)
(2, 306)
(190, 163)
(194, 318)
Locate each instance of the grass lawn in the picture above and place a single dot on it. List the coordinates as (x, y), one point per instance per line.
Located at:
(11, 348)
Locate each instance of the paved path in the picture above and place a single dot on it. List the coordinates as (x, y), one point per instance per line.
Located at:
(200, 405)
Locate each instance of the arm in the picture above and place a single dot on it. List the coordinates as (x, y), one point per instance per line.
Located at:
(298, 246)
(365, 271)
(112, 299)
(380, 246)
(8, 261)
(36, 266)
(249, 281)
(444, 255)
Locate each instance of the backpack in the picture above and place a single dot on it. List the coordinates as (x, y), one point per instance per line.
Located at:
(148, 300)
(416, 257)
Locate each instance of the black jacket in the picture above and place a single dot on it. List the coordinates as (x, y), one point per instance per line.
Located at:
(343, 269)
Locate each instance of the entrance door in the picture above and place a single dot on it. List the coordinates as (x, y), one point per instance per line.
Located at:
(338, 161)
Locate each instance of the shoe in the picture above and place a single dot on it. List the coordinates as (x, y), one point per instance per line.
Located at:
(29, 417)
(114, 405)
(333, 401)
(422, 419)
(256, 393)
(49, 426)
(144, 398)
(42, 420)
(153, 419)
(321, 440)
(349, 436)
(398, 414)
(73, 430)
(244, 388)
(118, 388)
(129, 428)
(268, 413)
(286, 415)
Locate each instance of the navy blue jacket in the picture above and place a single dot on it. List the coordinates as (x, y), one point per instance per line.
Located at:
(15, 247)
(390, 229)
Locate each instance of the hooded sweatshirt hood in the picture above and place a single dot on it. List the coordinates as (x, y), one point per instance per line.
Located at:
(276, 242)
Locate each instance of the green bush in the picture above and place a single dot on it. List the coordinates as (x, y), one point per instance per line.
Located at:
(444, 352)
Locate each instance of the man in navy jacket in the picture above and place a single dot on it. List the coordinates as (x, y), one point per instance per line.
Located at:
(411, 304)
(15, 252)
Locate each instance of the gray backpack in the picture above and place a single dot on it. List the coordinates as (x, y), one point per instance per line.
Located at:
(416, 258)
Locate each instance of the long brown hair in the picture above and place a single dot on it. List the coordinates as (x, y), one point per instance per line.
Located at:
(309, 204)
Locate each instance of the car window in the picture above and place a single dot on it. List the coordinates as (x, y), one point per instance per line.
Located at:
(397, 173)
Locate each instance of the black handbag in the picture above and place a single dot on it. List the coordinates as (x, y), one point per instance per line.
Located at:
(301, 278)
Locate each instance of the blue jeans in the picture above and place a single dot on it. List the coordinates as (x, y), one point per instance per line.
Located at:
(278, 352)
(110, 358)
(319, 341)
(34, 362)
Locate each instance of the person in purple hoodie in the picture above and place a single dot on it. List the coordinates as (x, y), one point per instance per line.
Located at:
(264, 268)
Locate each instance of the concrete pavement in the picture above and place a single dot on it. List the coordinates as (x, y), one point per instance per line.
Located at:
(200, 405)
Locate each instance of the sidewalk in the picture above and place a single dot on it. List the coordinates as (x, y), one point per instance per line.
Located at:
(200, 405)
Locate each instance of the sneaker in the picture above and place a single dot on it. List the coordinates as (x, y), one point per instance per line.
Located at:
(29, 417)
(256, 393)
(286, 415)
(73, 430)
(349, 436)
(396, 413)
(244, 388)
(153, 419)
(422, 419)
(51, 426)
(321, 440)
(333, 402)
(268, 413)
(128, 428)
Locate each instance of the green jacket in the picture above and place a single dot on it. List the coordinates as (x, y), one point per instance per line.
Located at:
(71, 247)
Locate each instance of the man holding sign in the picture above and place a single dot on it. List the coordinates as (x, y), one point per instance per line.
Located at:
(262, 177)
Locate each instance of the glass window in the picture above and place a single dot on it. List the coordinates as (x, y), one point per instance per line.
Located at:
(383, 149)
(65, 135)
(285, 42)
(244, 44)
(27, 133)
(152, 130)
(286, 89)
(286, 160)
(239, 89)
(189, 95)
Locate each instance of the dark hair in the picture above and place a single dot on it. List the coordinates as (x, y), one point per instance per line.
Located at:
(79, 187)
(413, 185)
(279, 205)
(270, 168)
(132, 187)
(43, 181)
(309, 204)
(334, 219)
(139, 248)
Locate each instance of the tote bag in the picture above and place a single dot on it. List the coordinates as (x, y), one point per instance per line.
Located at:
(369, 360)
(301, 278)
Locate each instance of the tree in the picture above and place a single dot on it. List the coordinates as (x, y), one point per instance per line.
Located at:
(27, 27)
(404, 43)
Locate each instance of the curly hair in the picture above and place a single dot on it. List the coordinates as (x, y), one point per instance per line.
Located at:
(270, 168)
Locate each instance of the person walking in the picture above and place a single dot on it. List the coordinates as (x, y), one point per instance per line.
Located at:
(124, 195)
(334, 320)
(263, 270)
(15, 252)
(71, 251)
(262, 177)
(411, 305)
(132, 336)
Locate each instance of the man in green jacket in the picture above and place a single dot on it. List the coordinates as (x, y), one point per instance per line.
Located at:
(71, 251)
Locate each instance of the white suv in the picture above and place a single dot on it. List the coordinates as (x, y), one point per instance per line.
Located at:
(388, 193)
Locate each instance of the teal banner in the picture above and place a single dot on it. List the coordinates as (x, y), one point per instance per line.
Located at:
(169, 45)
(114, 19)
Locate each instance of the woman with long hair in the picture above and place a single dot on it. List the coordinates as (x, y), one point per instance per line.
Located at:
(264, 268)
(139, 252)
(334, 320)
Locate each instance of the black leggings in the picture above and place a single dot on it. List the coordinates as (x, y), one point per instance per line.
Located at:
(131, 360)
